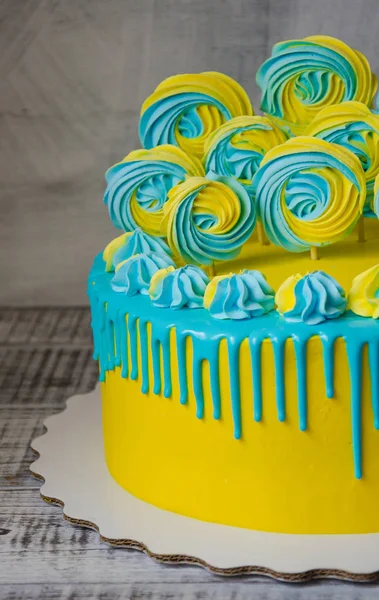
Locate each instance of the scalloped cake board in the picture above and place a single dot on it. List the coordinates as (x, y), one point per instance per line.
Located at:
(72, 465)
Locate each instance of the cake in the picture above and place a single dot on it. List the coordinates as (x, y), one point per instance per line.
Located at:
(235, 319)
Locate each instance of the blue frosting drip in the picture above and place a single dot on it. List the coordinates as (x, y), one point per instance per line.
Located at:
(133, 276)
(140, 242)
(117, 344)
(181, 288)
(318, 297)
(159, 121)
(242, 296)
(147, 181)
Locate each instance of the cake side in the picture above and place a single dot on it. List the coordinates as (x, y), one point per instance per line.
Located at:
(262, 424)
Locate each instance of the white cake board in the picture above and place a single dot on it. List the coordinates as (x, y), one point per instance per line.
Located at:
(72, 465)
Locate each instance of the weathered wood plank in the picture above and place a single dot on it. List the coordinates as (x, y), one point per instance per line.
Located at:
(51, 326)
(45, 375)
(218, 590)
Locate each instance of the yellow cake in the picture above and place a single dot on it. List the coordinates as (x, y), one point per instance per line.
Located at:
(235, 319)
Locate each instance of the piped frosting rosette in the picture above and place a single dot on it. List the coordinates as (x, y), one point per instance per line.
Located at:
(137, 187)
(303, 76)
(208, 219)
(310, 299)
(354, 126)
(308, 193)
(184, 109)
(364, 294)
(237, 147)
(128, 244)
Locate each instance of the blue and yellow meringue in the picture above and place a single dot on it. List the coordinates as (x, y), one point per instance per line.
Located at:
(133, 275)
(184, 109)
(303, 76)
(237, 147)
(239, 296)
(311, 299)
(208, 219)
(178, 288)
(363, 297)
(355, 127)
(309, 192)
(137, 187)
(129, 244)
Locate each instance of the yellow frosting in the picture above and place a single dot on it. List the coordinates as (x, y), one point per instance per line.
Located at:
(363, 297)
(285, 296)
(111, 249)
(277, 478)
(215, 85)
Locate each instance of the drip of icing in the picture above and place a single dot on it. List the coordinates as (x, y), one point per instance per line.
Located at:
(133, 276)
(364, 294)
(116, 323)
(178, 288)
(311, 299)
(240, 296)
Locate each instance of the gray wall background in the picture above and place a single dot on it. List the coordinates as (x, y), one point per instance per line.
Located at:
(73, 76)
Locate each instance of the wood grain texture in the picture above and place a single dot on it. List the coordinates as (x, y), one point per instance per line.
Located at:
(74, 74)
(45, 356)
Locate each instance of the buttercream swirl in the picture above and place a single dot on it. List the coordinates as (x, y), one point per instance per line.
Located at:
(311, 299)
(237, 147)
(137, 187)
(128, 244)
(303, 76)
(184, 109)
(133, 276)
(239, 296)
(355, 127)
(179, 288)
(208, 219)
(309, 192)
(363, 297)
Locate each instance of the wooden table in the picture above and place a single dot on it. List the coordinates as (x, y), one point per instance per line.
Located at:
(45, 357)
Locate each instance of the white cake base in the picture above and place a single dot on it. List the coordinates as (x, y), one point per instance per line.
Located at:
(72, 464)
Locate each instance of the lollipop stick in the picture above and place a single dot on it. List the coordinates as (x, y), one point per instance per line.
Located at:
(212, 269)
(261, 235)
(361, 229)
(314, 253)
